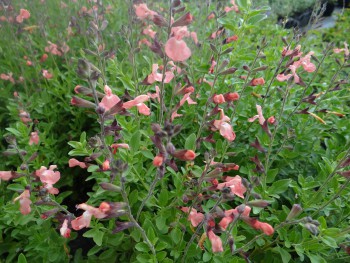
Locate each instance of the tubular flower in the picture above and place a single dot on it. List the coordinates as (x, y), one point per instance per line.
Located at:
(74, 162)
(49, 177)
(260, 116)
(5, 175)
(139, 103)
(235, 184)
(34, 138)
(177, 49)
(109, 100)
(23, 14)
(195, 217)
(64, 230)
(230, 216)
(224, 127)
(155, 76)
(216, 243)
(24, 202)
(85, 219)
(142, 12)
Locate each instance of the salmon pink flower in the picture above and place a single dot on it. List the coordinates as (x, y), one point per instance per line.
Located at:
(115, 146)
(224, 127)
(257, 81)
(234, 7)
(231, 96)
(74, 162)
(53, 49)
(177, 49)
(216, 243)
(194, 37)
(43, 58)
(85, 219)
(25, 117)
(7, 77)
(185, 155)
(49, 177)
(47, 74)
(345, 50)
(139, 103)
(265, 227)
(235, 184)
(34, 138)
(282, 77)
(23, 14)
(24, 202)
(306, 63)
(195, 217)
(5, 175)
(155, 76)
(219, 99)
(149, 32)
(158, 160)
(64, 230)
(142, 12)
(230, 216)
(109, 100)
(260, 116)
(271, 120)
(105, 165)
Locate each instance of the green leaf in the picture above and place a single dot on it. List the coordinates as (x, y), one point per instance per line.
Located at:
(206, 257)
(161, 255)
(163, 197)
(94, 250)
(83, 137)
(329, 241)
(135, 141)
(243, 4)
(279, 186)
(190, 143)
(96, 235)
(161, 245)
(286, 257)
(147, 154)
(176, 235)
(15, 132)
(93, 168)
(271, 174)
(16, 187)
(142, 247)
(22, 258)
(256, 19)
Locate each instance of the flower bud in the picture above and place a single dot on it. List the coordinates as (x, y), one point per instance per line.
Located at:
(158, 160)
(258, 203)
(185, 155)
(294, 212)
(312, 228)
(84, 69)
(76, 101)
(110, 187)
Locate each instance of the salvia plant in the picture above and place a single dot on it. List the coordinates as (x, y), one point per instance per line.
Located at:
(171, 131)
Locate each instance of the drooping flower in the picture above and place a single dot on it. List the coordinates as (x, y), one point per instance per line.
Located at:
(260, 116)
(158, 160)
(5, 175)
(139, 103)
(345, 50)
(195, 217)
(257, 81)
(24, 202)
(230, 216)
(216, 243)
(34, 138)
(49, 177)
(109, 100)
(235, 184)
(85, 219)
(155, 76)
(185, 155)
(47, 74)
(74, 162)
(224, 127)
(149, 32)
(219, 99)
(23, 14)
(64, 230)
(177, 49)
(142, 12)
(265, 227)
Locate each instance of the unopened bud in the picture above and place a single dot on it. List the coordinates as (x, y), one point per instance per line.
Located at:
(294, 212)
(312, 228)
(76, 101)
(23, 167)
(258, 203)
(185, 155)
(110, 187)
(84, 69)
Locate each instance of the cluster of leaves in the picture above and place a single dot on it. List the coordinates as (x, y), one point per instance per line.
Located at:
(294, 161)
